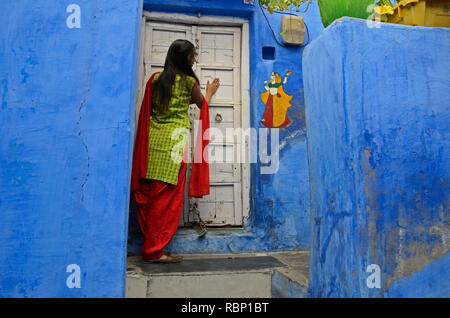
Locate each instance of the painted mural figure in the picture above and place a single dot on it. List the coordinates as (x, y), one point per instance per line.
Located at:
(277, 102)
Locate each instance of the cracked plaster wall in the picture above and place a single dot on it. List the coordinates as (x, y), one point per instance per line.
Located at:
(377, 110)
(67, 96)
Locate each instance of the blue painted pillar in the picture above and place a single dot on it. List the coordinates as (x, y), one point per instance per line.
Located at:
(68, 73)
(378, 122)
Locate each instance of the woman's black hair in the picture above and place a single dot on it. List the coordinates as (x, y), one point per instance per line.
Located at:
(177, 62)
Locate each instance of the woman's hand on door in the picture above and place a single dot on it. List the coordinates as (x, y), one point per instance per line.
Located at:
(211, 89)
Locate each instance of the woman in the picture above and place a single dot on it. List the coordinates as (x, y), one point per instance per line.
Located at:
(277, 102)
(158, 177)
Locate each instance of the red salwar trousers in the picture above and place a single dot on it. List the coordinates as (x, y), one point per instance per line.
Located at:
(160, 205)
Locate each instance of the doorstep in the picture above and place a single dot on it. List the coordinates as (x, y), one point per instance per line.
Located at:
(244, 275)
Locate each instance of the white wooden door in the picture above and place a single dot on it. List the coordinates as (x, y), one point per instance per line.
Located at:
(219, 49)
(220, 56)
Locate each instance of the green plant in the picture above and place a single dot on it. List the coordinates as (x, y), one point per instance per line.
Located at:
(331, 10)
(282, 5)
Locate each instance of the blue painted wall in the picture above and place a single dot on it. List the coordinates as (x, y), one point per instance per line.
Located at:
(378, 120)
(67, 96)
(66, 122)
(279, 208)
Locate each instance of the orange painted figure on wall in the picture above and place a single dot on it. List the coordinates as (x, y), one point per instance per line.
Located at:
(277, 102)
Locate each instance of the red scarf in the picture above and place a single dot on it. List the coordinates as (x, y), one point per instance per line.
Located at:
(199, 179)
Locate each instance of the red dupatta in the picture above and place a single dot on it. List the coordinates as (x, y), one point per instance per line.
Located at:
(199, 179)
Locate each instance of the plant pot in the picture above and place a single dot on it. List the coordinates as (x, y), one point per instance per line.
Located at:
(331, 10)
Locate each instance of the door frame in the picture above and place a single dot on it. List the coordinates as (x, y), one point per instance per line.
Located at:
(245, 78)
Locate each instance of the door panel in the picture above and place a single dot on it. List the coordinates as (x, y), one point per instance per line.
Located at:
(220, 45)
(220, 206)
(226, 93)
(162, 36)
(158, 38)
(222, 163)
(216, 48)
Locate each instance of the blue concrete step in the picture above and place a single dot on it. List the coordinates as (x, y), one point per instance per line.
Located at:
(249, 275)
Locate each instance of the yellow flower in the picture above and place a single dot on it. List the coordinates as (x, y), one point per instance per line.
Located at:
(384, 9)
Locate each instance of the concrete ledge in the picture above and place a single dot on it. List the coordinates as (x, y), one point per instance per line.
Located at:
(211, 285)
(284, 287)
(286, 277)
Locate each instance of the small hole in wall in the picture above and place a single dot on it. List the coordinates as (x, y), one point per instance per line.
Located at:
(268, 52)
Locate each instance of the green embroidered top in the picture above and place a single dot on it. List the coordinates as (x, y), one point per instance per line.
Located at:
(169, 133)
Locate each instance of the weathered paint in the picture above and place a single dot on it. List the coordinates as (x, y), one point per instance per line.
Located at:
(279, 204)
(67, 117)
(67, 96)
(283, 287)
(432, 281)
(378, 121)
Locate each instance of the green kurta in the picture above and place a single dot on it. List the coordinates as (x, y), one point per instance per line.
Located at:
(169, 133)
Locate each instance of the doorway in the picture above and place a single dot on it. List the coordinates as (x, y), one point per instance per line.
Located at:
(222, 44)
